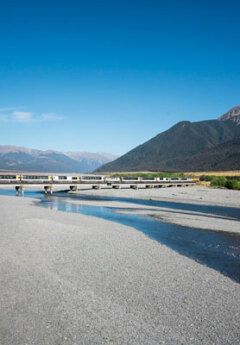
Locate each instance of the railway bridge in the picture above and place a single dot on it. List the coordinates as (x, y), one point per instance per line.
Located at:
(74, 185)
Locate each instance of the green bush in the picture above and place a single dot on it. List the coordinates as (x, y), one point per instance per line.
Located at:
(222, 181)
(232, 184)
(208, 178)
(219, 181)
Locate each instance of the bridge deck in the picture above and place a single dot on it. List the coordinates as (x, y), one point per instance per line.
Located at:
(57, 183)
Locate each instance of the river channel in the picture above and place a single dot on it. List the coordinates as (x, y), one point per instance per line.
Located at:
(217, 250)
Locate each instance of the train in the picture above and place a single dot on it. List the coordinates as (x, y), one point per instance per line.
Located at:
(27, 178)
(50, 178)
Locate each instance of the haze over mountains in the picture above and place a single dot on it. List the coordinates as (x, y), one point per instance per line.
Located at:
(187, 146)
(25, 159)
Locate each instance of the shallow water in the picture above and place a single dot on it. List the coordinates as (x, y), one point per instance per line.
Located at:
(229, 212)
(218, 250)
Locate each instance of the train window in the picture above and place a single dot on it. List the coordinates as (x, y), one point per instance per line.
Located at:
(130, 178)
(7, 177)
(62, 177)
(74, 178)
(34, 177)
(91, 177)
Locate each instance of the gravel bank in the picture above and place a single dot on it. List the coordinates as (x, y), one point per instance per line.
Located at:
(190, 219)
(192, 195)
(72, 279)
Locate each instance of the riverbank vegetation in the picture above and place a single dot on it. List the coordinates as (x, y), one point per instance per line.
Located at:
(227, 179)
(229, 182)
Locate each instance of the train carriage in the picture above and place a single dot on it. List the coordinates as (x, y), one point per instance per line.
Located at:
(9, 178)
(130, 179)
(148, 179)
(35, 178)
(65, 178)
(92, 178)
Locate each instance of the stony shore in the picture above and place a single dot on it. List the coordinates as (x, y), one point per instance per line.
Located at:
(192, 195)
(195, 194)
(189, 195)
(73, 279)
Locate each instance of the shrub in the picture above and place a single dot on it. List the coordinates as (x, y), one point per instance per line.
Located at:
(208, 178)
(219, 181)
(232, 184)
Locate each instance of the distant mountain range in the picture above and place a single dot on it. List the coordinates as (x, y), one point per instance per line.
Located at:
(187, 146)
(25, 159)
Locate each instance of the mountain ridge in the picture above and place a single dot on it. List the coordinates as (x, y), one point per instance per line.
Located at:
(233, 114)
(177, 148)
(26, 159)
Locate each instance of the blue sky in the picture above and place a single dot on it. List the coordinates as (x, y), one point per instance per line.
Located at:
(105, 76)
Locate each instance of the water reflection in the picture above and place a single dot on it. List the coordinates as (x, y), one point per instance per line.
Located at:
(220, 251)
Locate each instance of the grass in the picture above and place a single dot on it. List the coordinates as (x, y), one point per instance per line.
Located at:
(215, 173)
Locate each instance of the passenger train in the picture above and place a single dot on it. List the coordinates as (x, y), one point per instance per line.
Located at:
(9, 178)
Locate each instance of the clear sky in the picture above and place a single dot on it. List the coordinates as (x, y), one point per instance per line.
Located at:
(105, 76)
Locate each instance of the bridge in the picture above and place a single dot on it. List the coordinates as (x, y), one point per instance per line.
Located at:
(73, 186)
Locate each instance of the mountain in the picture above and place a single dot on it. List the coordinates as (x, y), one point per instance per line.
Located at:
(25, 159)
(225, 156)
(90, 160)
(233, 114)
(187, 146)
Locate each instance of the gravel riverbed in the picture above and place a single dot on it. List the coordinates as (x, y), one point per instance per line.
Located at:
(74, 279)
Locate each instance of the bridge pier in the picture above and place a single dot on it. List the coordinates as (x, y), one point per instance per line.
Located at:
(48, 188)
(116, 186)
(21, 188)
(134, 186)
(73, 188)
(149, 186)
(96, 186)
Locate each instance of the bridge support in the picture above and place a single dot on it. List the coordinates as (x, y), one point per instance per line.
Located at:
(48, 188)
(149, 186)
(116, 186)
(21, 188)
(73, 188)
(96, 186)
(134, 186)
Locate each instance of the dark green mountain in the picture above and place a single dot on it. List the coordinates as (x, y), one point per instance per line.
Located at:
(222, 157)
(187, 146)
